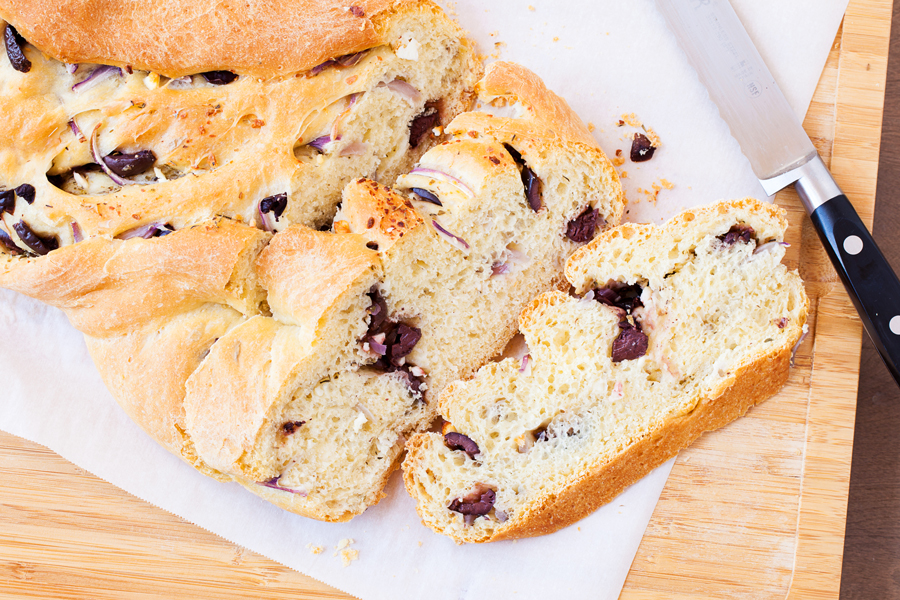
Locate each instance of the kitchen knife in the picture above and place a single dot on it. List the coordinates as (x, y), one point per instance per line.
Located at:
(781, 154)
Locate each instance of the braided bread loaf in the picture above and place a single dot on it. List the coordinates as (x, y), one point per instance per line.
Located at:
(260, 350)
(680, 329)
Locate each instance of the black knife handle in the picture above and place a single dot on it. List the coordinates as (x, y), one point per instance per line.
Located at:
(867, 275)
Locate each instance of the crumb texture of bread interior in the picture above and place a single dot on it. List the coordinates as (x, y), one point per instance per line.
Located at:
(716, 306)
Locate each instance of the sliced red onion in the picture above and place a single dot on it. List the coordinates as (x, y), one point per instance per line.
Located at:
(365, 410)
(349, 60)
(98, 158)
(267, 220)
(526, 360)
(768, 246)
(355, 149)
(500, 269)
(337, 122)
(800, 341)
(501, 516)
(71, 68)
(320, 142)
(77, 131)
(589, 297)
(144, 231)
(406, 91)
(76, 232)
(441, 176)
(97, 75)
(321, 67)
(181, 83)
(273, 483)
(379, 349)
(450, 235)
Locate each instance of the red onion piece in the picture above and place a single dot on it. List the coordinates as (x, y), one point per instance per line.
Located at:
(77, 131)
(181, 83)
(800, 341)
(441, 176)
(768, 246)
(97, 75)
(266, 220)
(354, 149)
(365, 410)
(98, 158)
(379, 349)
(350, 60)
(500, 269)
(447, 233)
(273, 483)
(71, 68)
(334, 126)
(320, 142)
(525, 361)
(501, 516)
(76, 232)
(144, 231)
(405, 90)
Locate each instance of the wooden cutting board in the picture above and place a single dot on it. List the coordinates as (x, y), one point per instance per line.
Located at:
(755, 510)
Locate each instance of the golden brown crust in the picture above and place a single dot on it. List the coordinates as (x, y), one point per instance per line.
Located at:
(146, 370)
(182, 38)
(108, 287)
(548, 115)
(305, 271)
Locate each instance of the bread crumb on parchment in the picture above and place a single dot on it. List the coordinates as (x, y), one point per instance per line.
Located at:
(315, 549)
(347, 554)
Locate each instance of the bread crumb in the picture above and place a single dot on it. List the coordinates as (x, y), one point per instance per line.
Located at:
(667, 184)
(420, 543)
(344, 543)
(556, 39)
(654, 139)
(631, 119)
(618, 161)
(623, 175)
(348, 556)
(591, 127)
(315, 549)
(531, 8)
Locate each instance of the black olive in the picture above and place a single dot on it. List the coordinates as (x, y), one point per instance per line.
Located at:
(38, 244)
(14, 43)
(126, 165)
(219, 77)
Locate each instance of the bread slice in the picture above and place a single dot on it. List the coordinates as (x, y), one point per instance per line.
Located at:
(673, 331)
(297, 363)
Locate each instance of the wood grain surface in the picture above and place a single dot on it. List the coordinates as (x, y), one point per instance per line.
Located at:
(872, 544)
(755, 510)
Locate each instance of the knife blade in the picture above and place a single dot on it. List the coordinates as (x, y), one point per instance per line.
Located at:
(780, 154)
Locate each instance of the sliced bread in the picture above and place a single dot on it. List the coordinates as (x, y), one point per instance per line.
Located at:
(672, 331)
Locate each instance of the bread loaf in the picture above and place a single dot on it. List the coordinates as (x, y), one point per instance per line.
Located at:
(673, 331)
(237, 319)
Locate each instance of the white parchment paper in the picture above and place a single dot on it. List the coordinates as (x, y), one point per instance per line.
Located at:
(607, 58)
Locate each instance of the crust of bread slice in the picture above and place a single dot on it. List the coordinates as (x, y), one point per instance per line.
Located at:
(619, 254)
(202, 35)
